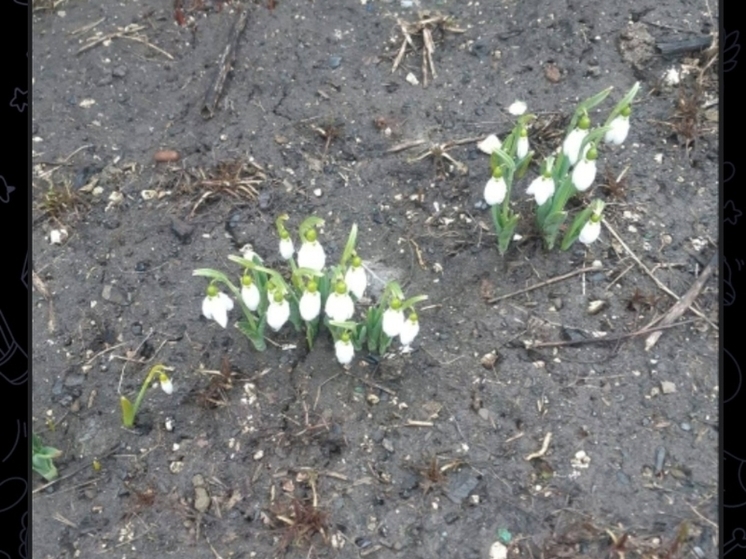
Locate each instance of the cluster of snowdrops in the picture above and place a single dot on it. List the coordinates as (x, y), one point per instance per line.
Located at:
(570, 171)
(314, 296)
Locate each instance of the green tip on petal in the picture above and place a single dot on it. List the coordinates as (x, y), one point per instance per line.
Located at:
(413, 317)
(246, 281)
(212, 290)
(626, 111)
(395, 304)
(523, 133)
(592, 154)
(312, 287)
(584, 123)
(340, 288)
(357, 262)
(497, 173)
(284, 235)
(278, 297)
(345, 337)
(311, 235)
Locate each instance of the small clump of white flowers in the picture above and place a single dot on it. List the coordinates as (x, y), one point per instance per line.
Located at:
(339, 306)
(584, 172)
(278, 311)
(521, 149)
(490, 144)
(495, 189)
(250, 293)
(571, 145)
(344, 349)
(311, 254)
(592, 228)
(409, 330)
(541, 188)
(393, 319)
(619, 128)
(356, 278)
(517, 108)
(287, 249)
(216, 305)
(310, 302)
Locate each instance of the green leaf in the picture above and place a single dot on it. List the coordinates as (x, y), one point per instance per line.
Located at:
(523, 164)
(586, 106)
(128, 412)
(350, 246)
(506, 234)
(255, 336)
(551, 227)
(413, 301)
(573, 232)
(626, 101)
(44, 467)
(308, 224)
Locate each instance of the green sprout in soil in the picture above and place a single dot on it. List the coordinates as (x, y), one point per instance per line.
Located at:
(42, 458)
(314, 296)
(570, 172)
(129, 410)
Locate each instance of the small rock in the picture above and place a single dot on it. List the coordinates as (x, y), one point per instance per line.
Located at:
(668, 387)
(317, 193)
(388, 445)
(57, 236)
(451, 517)
(335, 61)
(460, 486)
(182, 230)
(411, 78)
(136, 328)
(685, 426)
(488, 360)
(552, 73)
(201, 498)
(363, 543)
(595, 307)
(119, 71)
(373, 399)
(484, 414)
(264, 200)
(115, 294)
(498, 551)
(74, 380)
(258, 455)
(622, 478)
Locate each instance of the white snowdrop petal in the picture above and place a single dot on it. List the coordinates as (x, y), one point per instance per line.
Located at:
(225, 301)
(278, 314)
(311, 255)
(590, 232)
(542, 189)
(393, 321)
(409, 332)
(345, 352)
(571, 145)
(286, 248)
(167, 386)
(207, 308)
(490, 144)
(494, 191)
(356, 281)
(584, 174)
(251, 296)
(310, 305)
(517, 108)
(618, 132)
(521, 149)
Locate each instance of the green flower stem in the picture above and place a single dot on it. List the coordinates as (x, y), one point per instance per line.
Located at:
(129, 415)
(625, 102)
(350, 246)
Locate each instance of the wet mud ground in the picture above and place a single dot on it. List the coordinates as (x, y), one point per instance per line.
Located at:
(420, 454)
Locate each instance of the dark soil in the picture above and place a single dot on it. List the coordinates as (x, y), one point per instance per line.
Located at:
(285, 451)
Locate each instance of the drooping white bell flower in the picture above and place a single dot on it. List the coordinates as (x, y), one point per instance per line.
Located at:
(393, 319)
(311, 254)
(619, 128)
(590, 232)
(490, 144)
(495, 189)
(287, 249)
(571, 145)
(216, 305)
(409, 330)
(166, 384)
(278, 311)
(517, 108)
(584, 172)
(250, 293)
(344, 349)
(521, 148)
(310, 302)
(339, 306)
(356, 278)
(541, 188)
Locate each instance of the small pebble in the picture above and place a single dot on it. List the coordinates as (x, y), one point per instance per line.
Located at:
(317, 192)
(668, 387)
(335, 61)
(685, 426)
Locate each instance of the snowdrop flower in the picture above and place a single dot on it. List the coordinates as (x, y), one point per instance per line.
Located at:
(571, 145)
(409, 330)
(356, 279)
(339, 306)
(286, 246)
(541, 188)
(584, 172)
(166, 384)
(250, 293)
(311, 254)
(619, 128)
(344, 349)
(592, 228)
(310, 302)
(393, 319)
(278, 311)
(521, 148)
(216, 306)
(490, 144)
(517, 108)
(495, 189)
